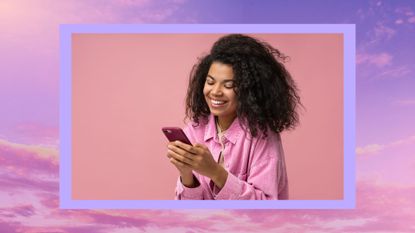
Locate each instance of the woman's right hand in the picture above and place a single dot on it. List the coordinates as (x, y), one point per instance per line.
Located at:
(184, 169)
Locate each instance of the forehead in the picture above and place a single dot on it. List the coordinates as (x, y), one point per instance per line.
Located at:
(220, 71)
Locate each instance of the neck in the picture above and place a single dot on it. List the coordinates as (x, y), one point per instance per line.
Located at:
(225, 122)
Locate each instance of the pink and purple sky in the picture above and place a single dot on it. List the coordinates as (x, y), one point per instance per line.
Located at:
(29, 100)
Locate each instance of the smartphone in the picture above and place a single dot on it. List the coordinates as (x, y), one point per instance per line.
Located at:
(175, 134)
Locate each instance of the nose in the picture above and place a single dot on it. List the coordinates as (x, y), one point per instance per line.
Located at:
(217, 90)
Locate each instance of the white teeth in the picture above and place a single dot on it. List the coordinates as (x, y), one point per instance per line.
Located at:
(217, 102)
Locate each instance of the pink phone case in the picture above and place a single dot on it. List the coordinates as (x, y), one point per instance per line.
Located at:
(175, 134)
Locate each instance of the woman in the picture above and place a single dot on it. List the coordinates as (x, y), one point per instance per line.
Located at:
(240, 97)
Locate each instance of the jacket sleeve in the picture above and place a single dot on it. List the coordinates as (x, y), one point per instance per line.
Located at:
(185, 193)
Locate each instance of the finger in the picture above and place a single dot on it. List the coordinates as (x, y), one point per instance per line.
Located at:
(184, 146)
(181, 152)
(180, 157)
(178, 164)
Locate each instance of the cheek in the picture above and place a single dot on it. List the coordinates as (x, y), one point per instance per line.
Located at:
(234, 101)
(232, 96)
(205, 90)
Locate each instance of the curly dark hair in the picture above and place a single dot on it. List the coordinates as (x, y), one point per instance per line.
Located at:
(266, 94)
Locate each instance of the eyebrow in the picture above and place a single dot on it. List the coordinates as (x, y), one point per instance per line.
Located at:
(226, 80)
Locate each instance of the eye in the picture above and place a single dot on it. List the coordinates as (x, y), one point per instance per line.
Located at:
(229, 85)
(209, 82)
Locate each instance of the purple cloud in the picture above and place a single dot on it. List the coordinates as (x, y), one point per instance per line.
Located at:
(23, 210)
(27, 160)
(13, 182)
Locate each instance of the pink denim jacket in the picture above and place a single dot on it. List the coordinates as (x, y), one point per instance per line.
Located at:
(256, 166)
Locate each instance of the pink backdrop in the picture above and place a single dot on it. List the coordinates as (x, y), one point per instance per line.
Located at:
(127, 86)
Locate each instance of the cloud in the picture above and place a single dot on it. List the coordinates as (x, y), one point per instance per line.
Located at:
(383, 32)
(37, 132)
(342, 223)
(404, 11)
(380, 207)
(23, 210)
(28, 167)
(130, 3)
(370, 149)
(406, 14)
(47, 152)
(376, 148)
(377, 59)
(376, 67)
(399, 21)
(26, 159)
(395, 72)
(16, 182)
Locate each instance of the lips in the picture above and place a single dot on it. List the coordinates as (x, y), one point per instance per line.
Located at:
(217, 103)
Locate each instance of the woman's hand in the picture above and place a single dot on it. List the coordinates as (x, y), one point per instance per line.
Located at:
(184, 169)
(199, 159)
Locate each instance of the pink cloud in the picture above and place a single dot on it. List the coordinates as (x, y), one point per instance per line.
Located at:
(14, 182)
(379, 59)
(376, 148)
(24, 159)
(28, 167)
(383, 32)
(376, 204)
(380, 207)
(23, 210)
(399, 21)
(369, 149)
(395, 72)
(406, 13)
(37, 132)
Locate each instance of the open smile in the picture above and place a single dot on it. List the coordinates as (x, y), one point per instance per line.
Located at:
(217, 103)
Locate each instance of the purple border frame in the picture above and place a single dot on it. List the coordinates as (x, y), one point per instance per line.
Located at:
(348, 31)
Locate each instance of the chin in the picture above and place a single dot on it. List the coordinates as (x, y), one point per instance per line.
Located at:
(218, 114)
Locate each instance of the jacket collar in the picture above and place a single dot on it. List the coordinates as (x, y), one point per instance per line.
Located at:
(231, 134)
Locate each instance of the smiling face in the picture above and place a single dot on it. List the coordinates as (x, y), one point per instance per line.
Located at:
(219, 93)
